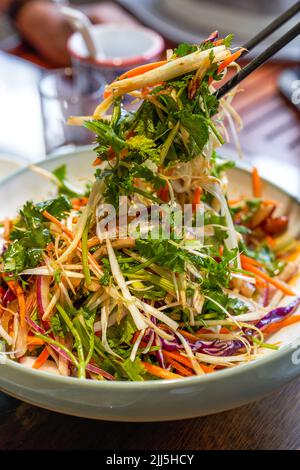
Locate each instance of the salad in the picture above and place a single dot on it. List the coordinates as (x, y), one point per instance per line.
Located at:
(87, 293)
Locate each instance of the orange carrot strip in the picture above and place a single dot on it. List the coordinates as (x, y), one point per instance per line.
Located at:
(248, 260)
(55, 221)
(93, 242)
(292, 256)
(270, 280)
(33, 341)
(159, 372)
(224, 330)
(69, 233)
(179, 358)
(256, 183)
(188, 335)
(233, 57)
(163, 194)
(270, 241)
(219, 42)
(196, 197)
(7, 228)
(277, 326)
(137, 71)
(260, 283)
(79, 202)
(18, 291)
(231, 202)
(203, 330)
(180, 368)
(187, 362)
(207, 369)
(41, 359)
(142, 69)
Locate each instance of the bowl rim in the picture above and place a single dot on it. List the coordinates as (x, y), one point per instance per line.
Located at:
(153, 51)
(147, 384)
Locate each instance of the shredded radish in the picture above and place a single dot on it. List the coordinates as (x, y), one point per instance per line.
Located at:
(118, 276)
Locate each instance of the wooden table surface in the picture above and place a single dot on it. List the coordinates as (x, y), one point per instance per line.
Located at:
(271, 128)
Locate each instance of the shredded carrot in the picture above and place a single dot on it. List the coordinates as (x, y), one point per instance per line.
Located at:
(142, 69)
(163, 194)
(18, 291)
(196, 198)
(248, 260)
(189, 336)
(7, 228)
(233, 57)
(94, 241)
(97, 161)
(231, 202)
(69, 233)
(33, 341)
(179, 367)
(78, 202)
(224, 330)
(270, 241)
(55, 221)
(277, 326)
(186, 361)
(2, 292)
(41, 359)
(218, 42)
(256, 183)
(270, 280)
(179, 358)
(203, 330)
(160, 372)
(137, 71)
(293, 256)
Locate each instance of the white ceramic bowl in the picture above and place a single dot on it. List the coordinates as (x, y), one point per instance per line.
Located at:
(10, 164)
(154, 400)
(124, 47)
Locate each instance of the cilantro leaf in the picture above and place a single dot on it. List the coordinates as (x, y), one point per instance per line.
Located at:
(30, 235)
(58, 326)
(65, 186)
(227, 41)
(219, 165)
(144, 147)
(134, 369)
(184, 49)
(58, 207)
(196, 125)
(165, 254)
(105, 136)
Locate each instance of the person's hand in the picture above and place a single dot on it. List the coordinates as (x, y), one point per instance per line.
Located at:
(41, 25)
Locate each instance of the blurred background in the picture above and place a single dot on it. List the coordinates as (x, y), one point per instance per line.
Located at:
(48, 70)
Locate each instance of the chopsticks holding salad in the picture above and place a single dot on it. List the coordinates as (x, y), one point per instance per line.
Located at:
(267, 53)
(97, 305)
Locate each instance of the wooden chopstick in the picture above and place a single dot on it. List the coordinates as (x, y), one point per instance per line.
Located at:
(258, 61)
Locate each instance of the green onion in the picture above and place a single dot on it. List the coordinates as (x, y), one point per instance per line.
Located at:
(57, 344)
(81, 361)
(168, 142)
(265, 345)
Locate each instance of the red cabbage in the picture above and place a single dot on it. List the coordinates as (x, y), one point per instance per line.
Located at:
(212, 37)
(218, 347)
(278, 314)
(215, 347)
(9, 296)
